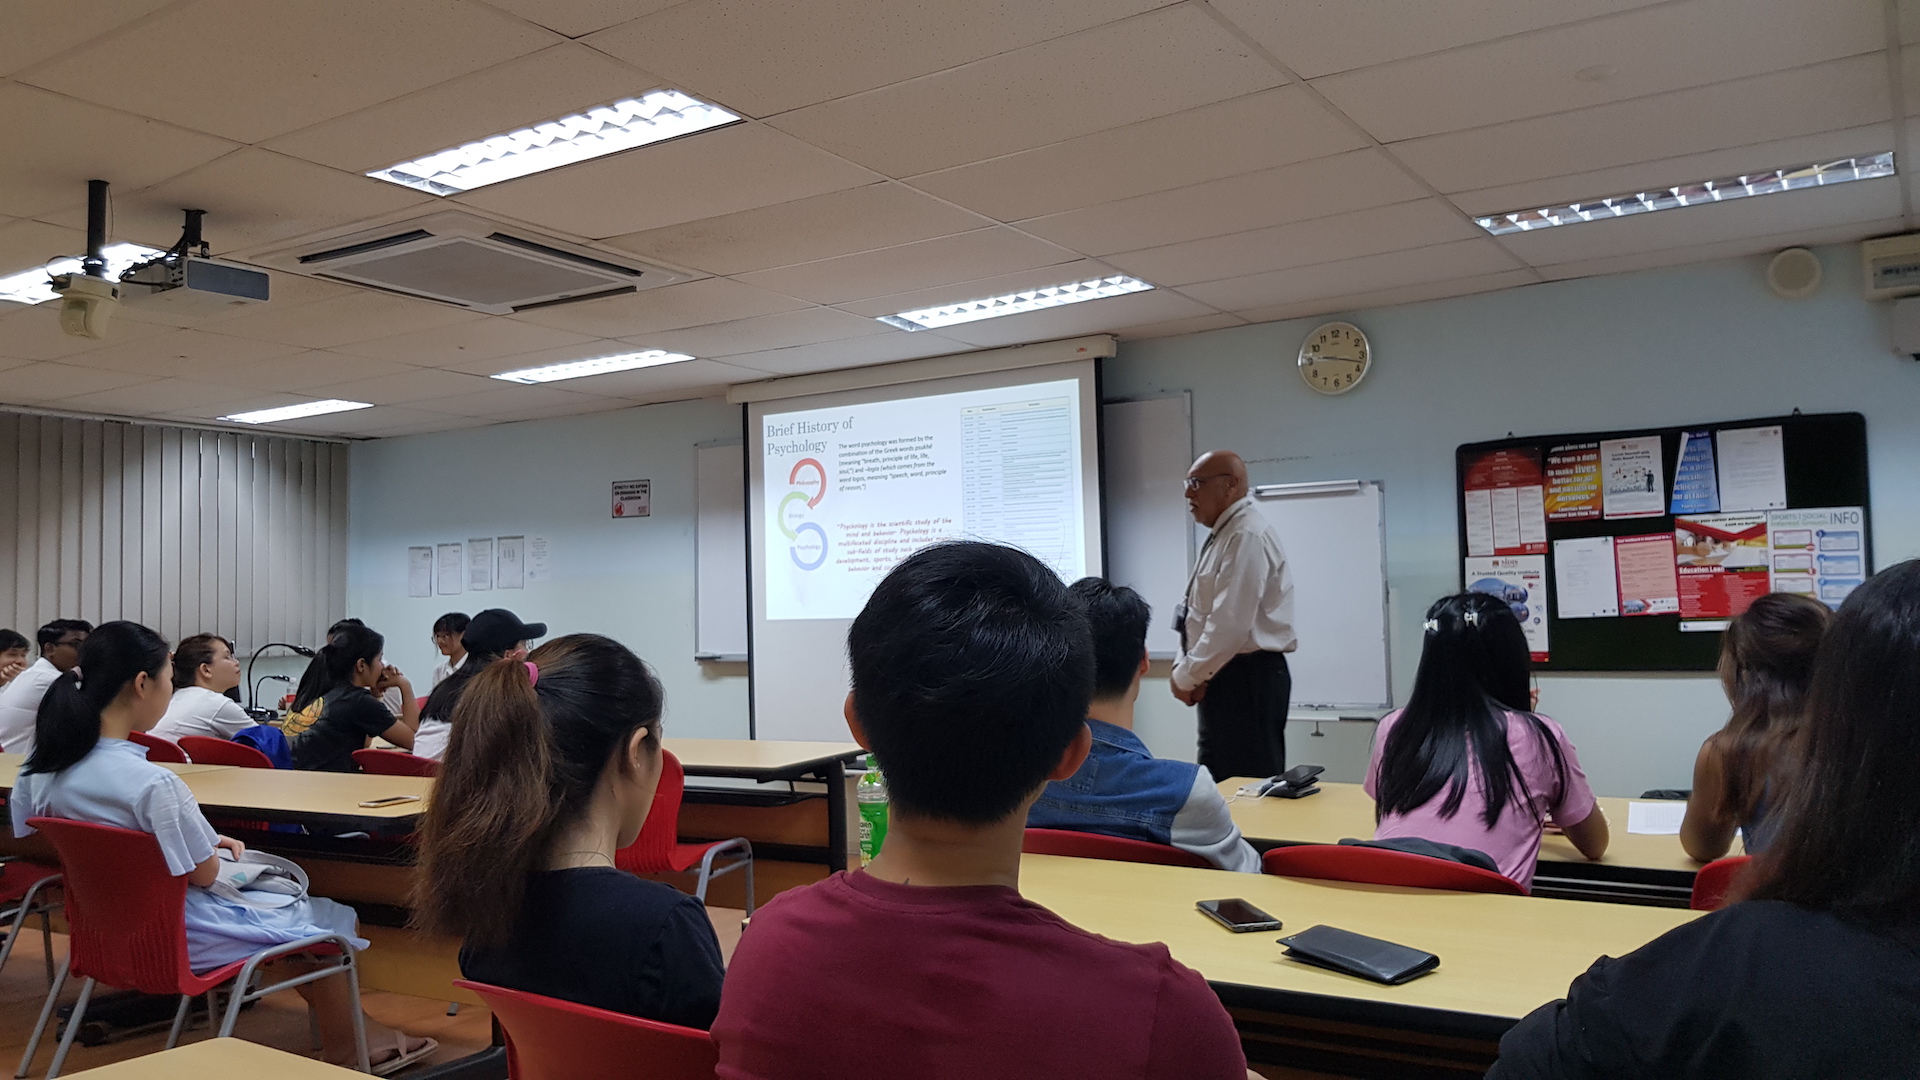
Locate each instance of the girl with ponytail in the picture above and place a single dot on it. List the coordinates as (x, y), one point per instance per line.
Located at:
(83, 768)
(345, 681)
(550, 768)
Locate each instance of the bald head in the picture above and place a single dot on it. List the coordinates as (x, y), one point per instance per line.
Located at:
(1217, 480)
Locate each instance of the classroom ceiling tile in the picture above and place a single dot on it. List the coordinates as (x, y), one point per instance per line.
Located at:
(1150, 65)
(38, 384)
(304, 370)
(1320, 39)
(980, 289)
(928, 263)
(359, 423)
(1634, 54)
(37, 32)
(360, 315)
(33, 333)
(1107, 315)
(770, 58)
(445, 346)
(1826, 97)
(438, 423)
(1394, 269)
(26, 243)
(248, 71)
(1405, 294)
(855, 352)
(163, 396)
(1301, 243)
(1227, 138)
(821, 227)
(1762, 247)
(700, 176)
(1192, 324)
(190, 353)
(1309, 189)
(669, 308)
(578, 18)
(416, 385)
(8, 363)
(498, 400)
(809, 326)
(55, 144)
(559, 81)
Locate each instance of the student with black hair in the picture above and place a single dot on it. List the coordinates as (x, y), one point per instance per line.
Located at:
(83, 768)
(1817, 972)
(447, 630)
(354, 673)
(972, 669)
(490, 635)
(60, 642)
(1122, 789)
(204, 669)
(13, 655)
(551, 770)
(1468, 762)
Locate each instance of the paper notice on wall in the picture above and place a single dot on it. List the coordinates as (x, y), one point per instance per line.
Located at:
(1820, 553)
(510, 562)
(1505, 504)
(1573, 482)
(1584, 583)
(420, 571)
(1633, 478)
(632, 498)
(1753, 469)
(448, 569)
(1695, 487)
(480, 564)
(1646, 574)
(1722, 565)
(539, 560)
(1521, 581)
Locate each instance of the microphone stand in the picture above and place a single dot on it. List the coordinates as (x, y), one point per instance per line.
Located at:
(254, 687)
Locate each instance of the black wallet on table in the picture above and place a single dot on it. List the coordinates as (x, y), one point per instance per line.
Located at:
(1357, 954)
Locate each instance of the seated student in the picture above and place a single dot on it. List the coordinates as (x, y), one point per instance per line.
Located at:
(446, 638)
(204, 669)
(490, 635)
(551, 770)
(972, 669)
(314, 682)
(1468, 762)
(353, 675)
(13, 655)
(60, 642)
(1122, 789)
(1766, 661)
(84, 769)
(1817, 973)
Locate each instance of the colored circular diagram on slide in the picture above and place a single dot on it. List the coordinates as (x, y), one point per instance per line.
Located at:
(807, 539)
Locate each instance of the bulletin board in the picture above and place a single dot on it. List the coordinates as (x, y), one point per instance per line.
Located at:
(1629, 550)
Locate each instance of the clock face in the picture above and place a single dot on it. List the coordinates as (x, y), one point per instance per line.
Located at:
(1335, 357)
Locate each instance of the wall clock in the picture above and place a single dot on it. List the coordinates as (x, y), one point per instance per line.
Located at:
(1335, 357)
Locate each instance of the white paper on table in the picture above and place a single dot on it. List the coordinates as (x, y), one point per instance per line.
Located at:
(1753, 468)
(449, 569)
(1583, 578)
(1655, 818)
(1632, 478)
(420, 571)
(1479, 503)
(480, 564)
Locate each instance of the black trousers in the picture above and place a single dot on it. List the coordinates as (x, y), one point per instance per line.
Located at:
(1243, 718)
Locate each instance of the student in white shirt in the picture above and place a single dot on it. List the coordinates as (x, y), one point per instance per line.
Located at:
(204, 669)
(60, 642)
(13, 655)
(446, 637)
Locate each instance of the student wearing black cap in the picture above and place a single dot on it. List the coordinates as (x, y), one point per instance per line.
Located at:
(490, 635)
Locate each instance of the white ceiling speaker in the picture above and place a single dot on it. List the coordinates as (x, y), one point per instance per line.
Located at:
(1794, 274)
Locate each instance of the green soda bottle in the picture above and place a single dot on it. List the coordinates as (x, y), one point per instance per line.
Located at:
(871, 794)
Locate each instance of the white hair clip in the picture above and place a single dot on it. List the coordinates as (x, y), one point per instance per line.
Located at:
(1432, 626)
(1472, 617)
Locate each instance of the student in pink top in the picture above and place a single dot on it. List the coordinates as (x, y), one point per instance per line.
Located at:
(1468, 762)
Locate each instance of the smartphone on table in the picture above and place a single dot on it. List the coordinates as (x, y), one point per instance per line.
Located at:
(1238, 916)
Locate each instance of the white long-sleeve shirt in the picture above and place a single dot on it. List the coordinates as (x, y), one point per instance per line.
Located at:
(1240, 598)
(20, 705)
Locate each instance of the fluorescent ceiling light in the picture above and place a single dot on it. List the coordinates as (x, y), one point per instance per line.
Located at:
(599, 365)
(1014, 303)
(608, 129)
(1817, 174)
(30, 286)
(296, 412)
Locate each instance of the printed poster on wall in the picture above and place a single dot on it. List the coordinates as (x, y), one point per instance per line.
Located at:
(539, 560)
(1573, 482)
(1753, 469)
(1722, 562)
(1820, 553)
(1696, 489)
(448, 569)
(1632, 478)
(1644, 568)
(632, 498)
(508, 557)
(1521, 581)
(480, 564)
(419, 571)
(1504, 501)
(1585, 585)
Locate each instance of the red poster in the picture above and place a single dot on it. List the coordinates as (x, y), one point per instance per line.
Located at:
(1573, 482)
(1722, 563)
(1503, 503)
(1645, 570)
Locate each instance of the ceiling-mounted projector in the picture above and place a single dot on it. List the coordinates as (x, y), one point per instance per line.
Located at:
(192, 285)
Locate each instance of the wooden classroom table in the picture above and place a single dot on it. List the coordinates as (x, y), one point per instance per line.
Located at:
(1635, 869)
(1500, 957)
(10, 765)
(768, 761)
(219, 1059)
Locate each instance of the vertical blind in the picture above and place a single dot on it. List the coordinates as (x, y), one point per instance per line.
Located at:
(184, 530)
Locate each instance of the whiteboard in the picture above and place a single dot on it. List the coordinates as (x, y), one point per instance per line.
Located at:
(720, 553)
(1335, 545)
(1146, 448)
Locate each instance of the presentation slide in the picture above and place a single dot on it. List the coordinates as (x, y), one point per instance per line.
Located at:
(855, 489)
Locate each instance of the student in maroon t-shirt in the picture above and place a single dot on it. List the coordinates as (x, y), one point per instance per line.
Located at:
(972, 669)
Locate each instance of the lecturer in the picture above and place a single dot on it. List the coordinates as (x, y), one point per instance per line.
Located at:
(1236, 626)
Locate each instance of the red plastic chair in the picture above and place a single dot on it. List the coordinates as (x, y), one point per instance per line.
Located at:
(1114, 848)
(395, 763)
(1715, 880)
(1379, 866)
(22, 884)
(550, 1039)
(205, 750)
(657, 850)
(127, 919)
(159, 749)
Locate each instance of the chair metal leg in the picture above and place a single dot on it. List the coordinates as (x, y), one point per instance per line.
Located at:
(352, 964)
(749, 885)
(73, 1028)
(179, 1020)
(40, 1028)
(46, 940)
(236, 996)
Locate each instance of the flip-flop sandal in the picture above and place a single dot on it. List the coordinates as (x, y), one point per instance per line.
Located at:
(405, 1057)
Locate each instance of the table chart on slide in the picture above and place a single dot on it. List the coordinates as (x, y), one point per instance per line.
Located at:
(1017, 469)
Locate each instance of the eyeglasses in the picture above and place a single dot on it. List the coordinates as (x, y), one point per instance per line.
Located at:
(1194, 483)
